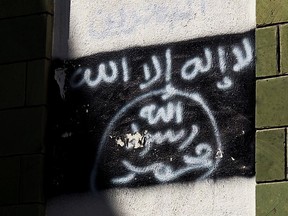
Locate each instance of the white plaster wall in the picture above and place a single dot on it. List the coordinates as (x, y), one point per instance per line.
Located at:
(99, 26)
(230, 197)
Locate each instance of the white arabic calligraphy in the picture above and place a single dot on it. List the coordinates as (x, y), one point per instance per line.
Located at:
(163, 172)
(110, 72)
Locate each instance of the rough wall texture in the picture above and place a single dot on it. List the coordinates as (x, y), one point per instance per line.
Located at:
(24, 64)
(157, 105)
(271, 112)
(25, 50)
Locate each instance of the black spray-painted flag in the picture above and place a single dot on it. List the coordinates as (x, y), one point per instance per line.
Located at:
(150, 115)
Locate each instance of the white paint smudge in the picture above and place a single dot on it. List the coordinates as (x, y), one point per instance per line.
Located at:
(60, 77)
(66, 135)
(132, 140)
(119, 142)
(219, 154)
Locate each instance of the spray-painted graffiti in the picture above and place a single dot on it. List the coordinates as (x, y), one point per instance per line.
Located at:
(111, 71)
(119, 21)
(175, 112)
(163, 172)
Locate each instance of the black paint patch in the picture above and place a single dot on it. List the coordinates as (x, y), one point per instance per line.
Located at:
(203, 93)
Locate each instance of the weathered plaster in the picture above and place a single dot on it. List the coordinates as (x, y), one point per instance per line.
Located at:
(234, 196)
(98, 26)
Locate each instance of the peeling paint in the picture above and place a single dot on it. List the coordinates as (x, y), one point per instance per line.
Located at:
(66, 135)
(132, 140)
(60, 76)
(219, 154)
(119, 142)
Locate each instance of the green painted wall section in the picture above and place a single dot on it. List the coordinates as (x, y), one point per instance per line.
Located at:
(266, 43)
(271, 11)
(284, 48)
(272, 199)
(272, 102)
(271, 107)
(270, 155)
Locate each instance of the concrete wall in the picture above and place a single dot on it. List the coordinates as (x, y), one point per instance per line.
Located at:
(98, 29)
(24, 64)
(271, 114)
(25, 52)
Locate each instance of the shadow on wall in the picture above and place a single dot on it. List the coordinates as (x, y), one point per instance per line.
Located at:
(78, 205)
(69, 204)
(187, 124)
(61, 29)
(190, 100)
